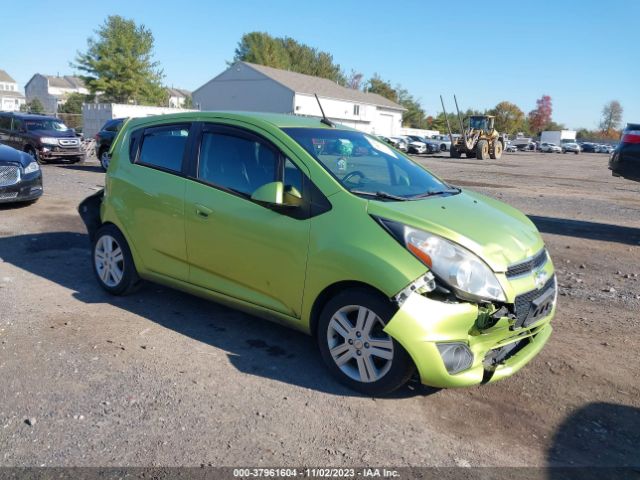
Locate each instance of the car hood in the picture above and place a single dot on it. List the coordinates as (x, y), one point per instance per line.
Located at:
(52, 133)
(9, 155)
(496, 232)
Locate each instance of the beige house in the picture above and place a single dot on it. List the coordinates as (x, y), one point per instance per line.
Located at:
(53, 91)
(249, 87)
(177, 97)
(10, 96)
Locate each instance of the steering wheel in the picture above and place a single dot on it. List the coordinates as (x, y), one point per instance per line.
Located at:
(349, 175)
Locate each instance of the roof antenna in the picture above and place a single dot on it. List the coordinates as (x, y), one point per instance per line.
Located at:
(324, 119)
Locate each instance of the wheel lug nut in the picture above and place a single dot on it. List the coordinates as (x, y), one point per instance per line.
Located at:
(366, 345)
(358, 334)
(350, 342)
(358, 352)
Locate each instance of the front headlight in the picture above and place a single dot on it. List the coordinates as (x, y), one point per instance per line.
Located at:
(32, 167)
(49, 140)
(451, 263)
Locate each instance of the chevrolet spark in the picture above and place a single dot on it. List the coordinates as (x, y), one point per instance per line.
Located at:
(329, 231)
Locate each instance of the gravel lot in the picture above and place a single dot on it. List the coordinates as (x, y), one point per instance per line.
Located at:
(162, 378)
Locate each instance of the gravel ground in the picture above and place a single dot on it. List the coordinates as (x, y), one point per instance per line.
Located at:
(161, 378)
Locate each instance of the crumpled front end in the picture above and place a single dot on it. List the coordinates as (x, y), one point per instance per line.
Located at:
(454, 343)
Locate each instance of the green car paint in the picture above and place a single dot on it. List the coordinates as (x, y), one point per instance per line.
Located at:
(213, 244)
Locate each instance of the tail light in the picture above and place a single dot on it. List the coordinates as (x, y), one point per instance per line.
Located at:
(631, 136)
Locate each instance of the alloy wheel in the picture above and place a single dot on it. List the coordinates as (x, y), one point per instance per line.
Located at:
(109, 260)
(104, 160)
(358, 344)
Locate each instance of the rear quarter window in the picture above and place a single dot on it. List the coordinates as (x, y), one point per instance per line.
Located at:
(163, 147)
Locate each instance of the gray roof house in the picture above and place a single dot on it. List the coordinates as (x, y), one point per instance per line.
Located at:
(10, 96)
(246, 86)
(177, 96)
(53, 91)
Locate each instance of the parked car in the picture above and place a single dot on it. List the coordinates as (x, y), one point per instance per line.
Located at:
(605, 148)
(415, 146)
(431, 146)
(390, 268)
(510, 147)
(443, 140)
(570, 147)
(104, 138)
(20, 176)
(549, 148)
(44, 138)
(588, 147)
(400, 143)
(625, 159)
(394, 142)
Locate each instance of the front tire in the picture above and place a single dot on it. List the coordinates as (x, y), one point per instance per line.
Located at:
(497, 150)
(355, 347)
(112, 261)
(104, 158)
(482, 150)
(34, 154)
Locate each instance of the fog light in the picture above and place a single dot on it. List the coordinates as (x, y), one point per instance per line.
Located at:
(456, 356)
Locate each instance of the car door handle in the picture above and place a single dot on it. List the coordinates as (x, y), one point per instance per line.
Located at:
(203, 211)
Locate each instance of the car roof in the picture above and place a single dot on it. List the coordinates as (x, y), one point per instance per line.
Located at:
(31, 116)
(278, 120)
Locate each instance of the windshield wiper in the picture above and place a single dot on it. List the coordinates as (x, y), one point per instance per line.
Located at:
(380, 194)
(453, 190)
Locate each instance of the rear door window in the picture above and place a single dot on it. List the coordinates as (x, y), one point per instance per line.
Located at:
(164, 147)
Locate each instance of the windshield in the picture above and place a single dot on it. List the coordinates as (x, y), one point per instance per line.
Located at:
(478, 123)
(364, 165)
(46, 124)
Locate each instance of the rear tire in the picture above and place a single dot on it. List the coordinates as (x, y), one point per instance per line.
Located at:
(112, 261)
(355, 347)
(482, 150)
(453, 153)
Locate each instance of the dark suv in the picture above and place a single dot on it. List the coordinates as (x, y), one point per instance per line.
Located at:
(625, 159)
(44, 138)
(104, 139)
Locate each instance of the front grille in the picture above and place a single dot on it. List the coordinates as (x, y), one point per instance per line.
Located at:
(9, 176)
(525, 307)
(528, 266)
(8, 195)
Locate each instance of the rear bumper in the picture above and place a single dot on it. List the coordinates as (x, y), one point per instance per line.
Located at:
(625, 162)
(422, 324)
(29, 188)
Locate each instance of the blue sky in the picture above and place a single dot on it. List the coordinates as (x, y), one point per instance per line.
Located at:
(582, 54)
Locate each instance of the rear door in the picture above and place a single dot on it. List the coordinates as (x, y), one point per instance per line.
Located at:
(236, 246)
(153, 191)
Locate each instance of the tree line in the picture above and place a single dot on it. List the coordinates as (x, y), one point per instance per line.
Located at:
(118, 64)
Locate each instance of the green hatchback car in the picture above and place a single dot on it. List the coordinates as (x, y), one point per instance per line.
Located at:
(332, 232)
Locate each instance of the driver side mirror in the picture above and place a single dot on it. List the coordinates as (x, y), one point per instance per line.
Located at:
(269, 193)
(275, 194)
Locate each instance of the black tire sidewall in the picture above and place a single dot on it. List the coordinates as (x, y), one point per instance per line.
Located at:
(130, 275)
(402, 366)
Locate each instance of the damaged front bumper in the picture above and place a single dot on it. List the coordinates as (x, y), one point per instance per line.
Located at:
(452, 345)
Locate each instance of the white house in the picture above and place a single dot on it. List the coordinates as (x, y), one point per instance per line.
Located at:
(95, 115)
(10, 97)
(249, 87)
(53, 91)
(177, 97)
